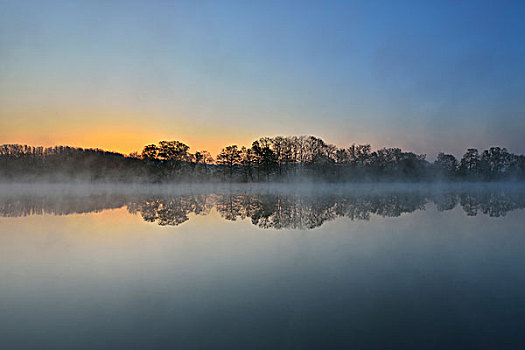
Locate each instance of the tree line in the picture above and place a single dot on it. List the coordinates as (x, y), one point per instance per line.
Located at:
(281, 158)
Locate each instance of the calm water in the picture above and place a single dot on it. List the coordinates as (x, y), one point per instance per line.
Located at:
(245, 268)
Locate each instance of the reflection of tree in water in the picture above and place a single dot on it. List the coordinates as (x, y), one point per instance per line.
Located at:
(494, 204)
(307, 212)
(296, 211)
(445, 201)
(276, 210)
(14, 206)
(170, 211)
(395, 204)
(269, 210)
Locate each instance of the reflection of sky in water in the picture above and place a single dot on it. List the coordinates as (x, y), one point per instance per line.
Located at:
(109, 279)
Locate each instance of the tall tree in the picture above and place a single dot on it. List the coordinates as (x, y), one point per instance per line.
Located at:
(229, 158)
(265, 157)
(248, 161)
(446, 165)
(173, 151)
(495, 162)
(150, 152)
(469, 165)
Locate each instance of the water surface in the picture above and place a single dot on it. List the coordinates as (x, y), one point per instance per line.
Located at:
(240, 268)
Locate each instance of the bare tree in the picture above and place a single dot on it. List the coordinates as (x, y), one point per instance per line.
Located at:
(229, 158)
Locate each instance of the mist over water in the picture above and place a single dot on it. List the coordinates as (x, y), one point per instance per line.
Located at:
(259, 266)
(262, 175)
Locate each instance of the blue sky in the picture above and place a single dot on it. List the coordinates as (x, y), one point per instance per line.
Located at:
(426, 76)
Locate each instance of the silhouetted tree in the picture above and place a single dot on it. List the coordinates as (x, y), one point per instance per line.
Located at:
(229, 158)
(248, 161)
(495, 162)
(278, 158)
(173, 151)
(150, 152)
(202, 160)
(470, 164)
(446, 165)
(265, 157)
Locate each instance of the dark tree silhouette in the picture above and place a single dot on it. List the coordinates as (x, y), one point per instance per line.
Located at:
(265, 157)
(229, 158)
(446, 165)
(469, 166)
(150, 152)
(495, 162)
(282, 158)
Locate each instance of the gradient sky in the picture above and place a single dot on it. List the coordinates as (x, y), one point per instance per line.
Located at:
(425, 76)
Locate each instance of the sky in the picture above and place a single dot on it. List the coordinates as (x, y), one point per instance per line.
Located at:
(426, 76)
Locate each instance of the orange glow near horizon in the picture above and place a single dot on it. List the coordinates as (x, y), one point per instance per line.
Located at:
(124, 142)
(126, 131)
(118, 136)
(122, 131)
(129, 137)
